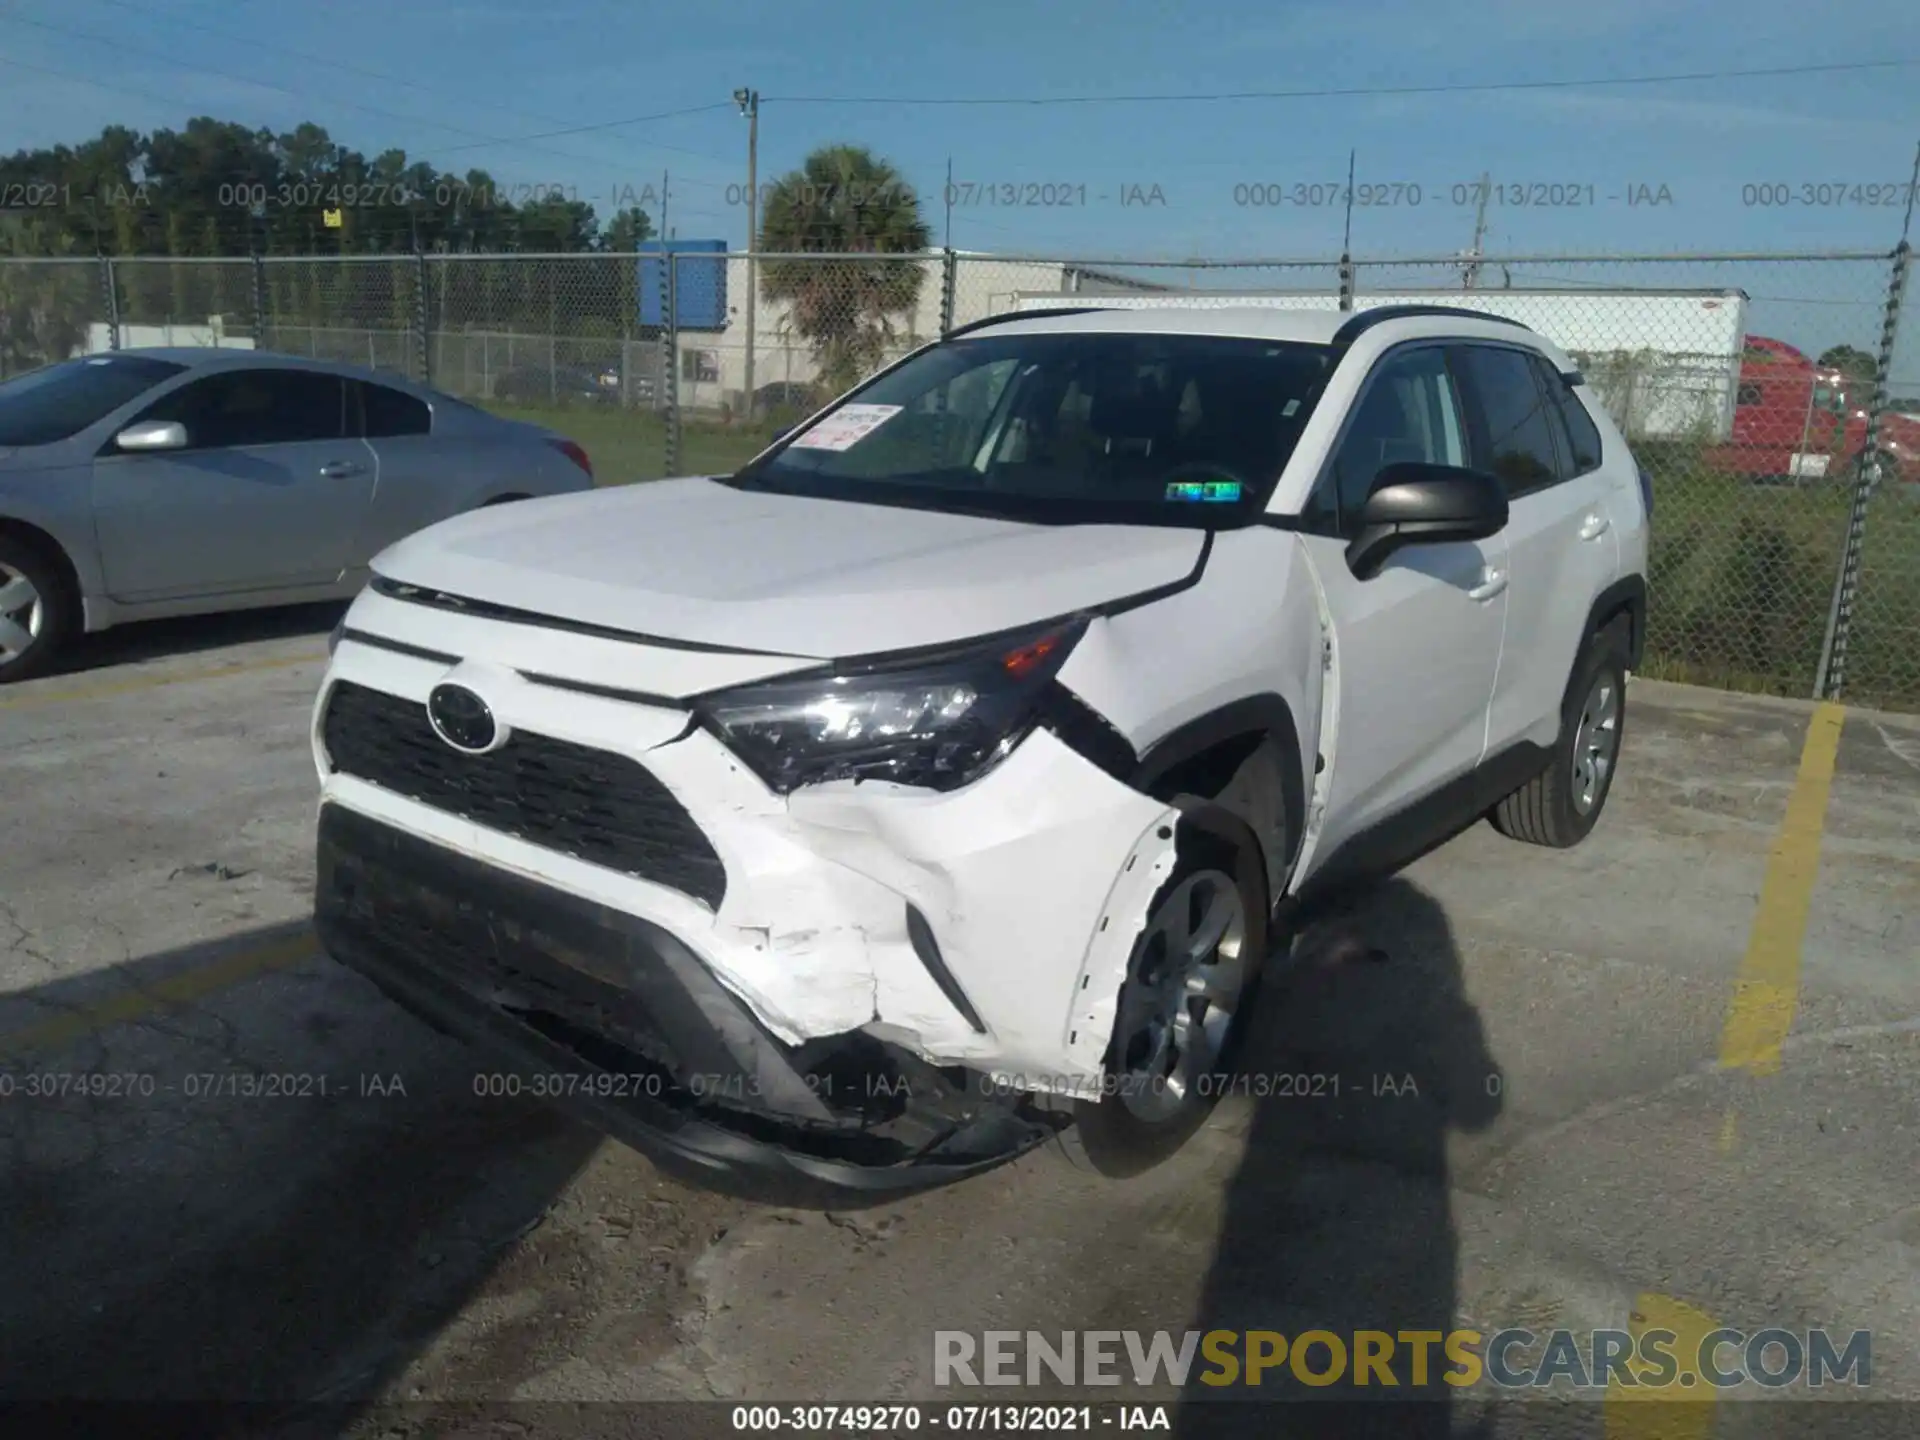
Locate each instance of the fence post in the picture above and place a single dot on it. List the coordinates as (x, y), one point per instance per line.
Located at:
(111, 286)
(949, 274)
(1846, 586)
(259, 302)
(422, 318)
(670, 356)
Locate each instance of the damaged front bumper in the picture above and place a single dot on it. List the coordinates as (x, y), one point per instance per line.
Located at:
(612, 1018)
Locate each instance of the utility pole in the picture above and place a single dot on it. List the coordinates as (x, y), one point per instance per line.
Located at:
(749, 103)
(1347, 285)
(1479, 233)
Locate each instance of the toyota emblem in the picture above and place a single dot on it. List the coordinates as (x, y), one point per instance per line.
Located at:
(463, 719)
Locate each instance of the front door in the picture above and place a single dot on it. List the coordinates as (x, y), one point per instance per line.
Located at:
(268, 494)
(1417, 645)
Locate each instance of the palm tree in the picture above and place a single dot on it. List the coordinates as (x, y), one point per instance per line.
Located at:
(845, 201)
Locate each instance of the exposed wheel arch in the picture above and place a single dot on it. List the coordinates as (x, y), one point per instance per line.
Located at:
(1246, 758)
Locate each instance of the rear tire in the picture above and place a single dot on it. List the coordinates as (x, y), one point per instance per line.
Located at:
(1191, 983)
(38, 610)
(1559, 807)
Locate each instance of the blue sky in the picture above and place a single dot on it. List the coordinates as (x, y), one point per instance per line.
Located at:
(478, 72)
(487, 68)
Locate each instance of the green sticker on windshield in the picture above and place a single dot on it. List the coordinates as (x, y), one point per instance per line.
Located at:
(1216, 491)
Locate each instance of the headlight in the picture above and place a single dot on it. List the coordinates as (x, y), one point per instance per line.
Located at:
(940, 721)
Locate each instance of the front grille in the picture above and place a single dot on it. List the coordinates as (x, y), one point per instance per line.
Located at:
(587, 803)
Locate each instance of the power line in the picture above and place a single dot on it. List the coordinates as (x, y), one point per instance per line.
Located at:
(483, 142)
(313, 59)
(1348, 91)
(171, 102)
(608, 124)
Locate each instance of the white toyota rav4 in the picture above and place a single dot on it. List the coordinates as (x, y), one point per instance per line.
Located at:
(937, 784)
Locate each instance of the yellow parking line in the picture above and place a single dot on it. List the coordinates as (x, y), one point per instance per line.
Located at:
(1682, 1410)
(155, 682)
(1768, 990)
(181, 989)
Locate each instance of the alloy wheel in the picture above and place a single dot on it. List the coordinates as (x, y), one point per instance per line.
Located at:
(23, 614)
(1596, 742)
(1189, 974)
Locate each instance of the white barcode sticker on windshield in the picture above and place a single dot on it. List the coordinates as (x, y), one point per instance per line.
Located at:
(846, 427)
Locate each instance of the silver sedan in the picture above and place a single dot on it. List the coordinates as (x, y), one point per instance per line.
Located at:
(148, 483)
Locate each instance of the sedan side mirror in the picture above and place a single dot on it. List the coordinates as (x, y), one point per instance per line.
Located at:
(1417, 504)
(153, 435)
(780, 434)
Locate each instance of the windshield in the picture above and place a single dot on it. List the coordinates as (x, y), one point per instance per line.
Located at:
(58, 402)
(1102, 428)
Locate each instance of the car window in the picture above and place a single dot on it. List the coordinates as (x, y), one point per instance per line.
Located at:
(1549, 386)
(257, 407)
(1098, 426)
(1408, 412)
(1513, 414)
(57, 402)
(1574, 430)
(387, 412)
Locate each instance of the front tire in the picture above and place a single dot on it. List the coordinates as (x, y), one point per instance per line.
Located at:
(1190, 985)
(1559, 807)
(37, 611)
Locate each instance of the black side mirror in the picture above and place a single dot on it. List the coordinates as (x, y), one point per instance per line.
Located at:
(779, 435)
(1417, 504)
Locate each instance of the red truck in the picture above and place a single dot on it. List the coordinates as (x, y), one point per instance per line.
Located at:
(1796, 421)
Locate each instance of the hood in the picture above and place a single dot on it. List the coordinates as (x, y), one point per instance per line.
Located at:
(698, 561)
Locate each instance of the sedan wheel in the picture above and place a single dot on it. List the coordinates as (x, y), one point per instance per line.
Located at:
(23, 614)
(36, 611)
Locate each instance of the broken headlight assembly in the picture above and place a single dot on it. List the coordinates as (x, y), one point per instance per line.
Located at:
(934, 720)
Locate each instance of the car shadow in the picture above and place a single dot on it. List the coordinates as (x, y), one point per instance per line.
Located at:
(192, 1222)
(1364, 1053)
(141, 641)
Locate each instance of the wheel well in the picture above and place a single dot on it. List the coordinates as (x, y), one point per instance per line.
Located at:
(49, 549)
(1209, 772)
(1625, 601)
(1246, 760)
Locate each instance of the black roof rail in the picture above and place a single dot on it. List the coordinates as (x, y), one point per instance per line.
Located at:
(1365, 320)
(1013, 315)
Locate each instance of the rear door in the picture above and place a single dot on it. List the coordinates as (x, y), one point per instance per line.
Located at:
(419, 477)
(267, 495)
(1562, 549)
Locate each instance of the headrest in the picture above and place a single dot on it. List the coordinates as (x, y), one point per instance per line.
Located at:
(1128, 405)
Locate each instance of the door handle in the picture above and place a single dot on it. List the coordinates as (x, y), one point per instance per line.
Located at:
(340, 469)
(1492, 582)
(1594, 526)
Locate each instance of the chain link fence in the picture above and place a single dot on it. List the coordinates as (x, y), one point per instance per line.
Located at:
(1786, 552)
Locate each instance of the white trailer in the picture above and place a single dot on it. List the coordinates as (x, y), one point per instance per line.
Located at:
(1666, 363)
(100, 337)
